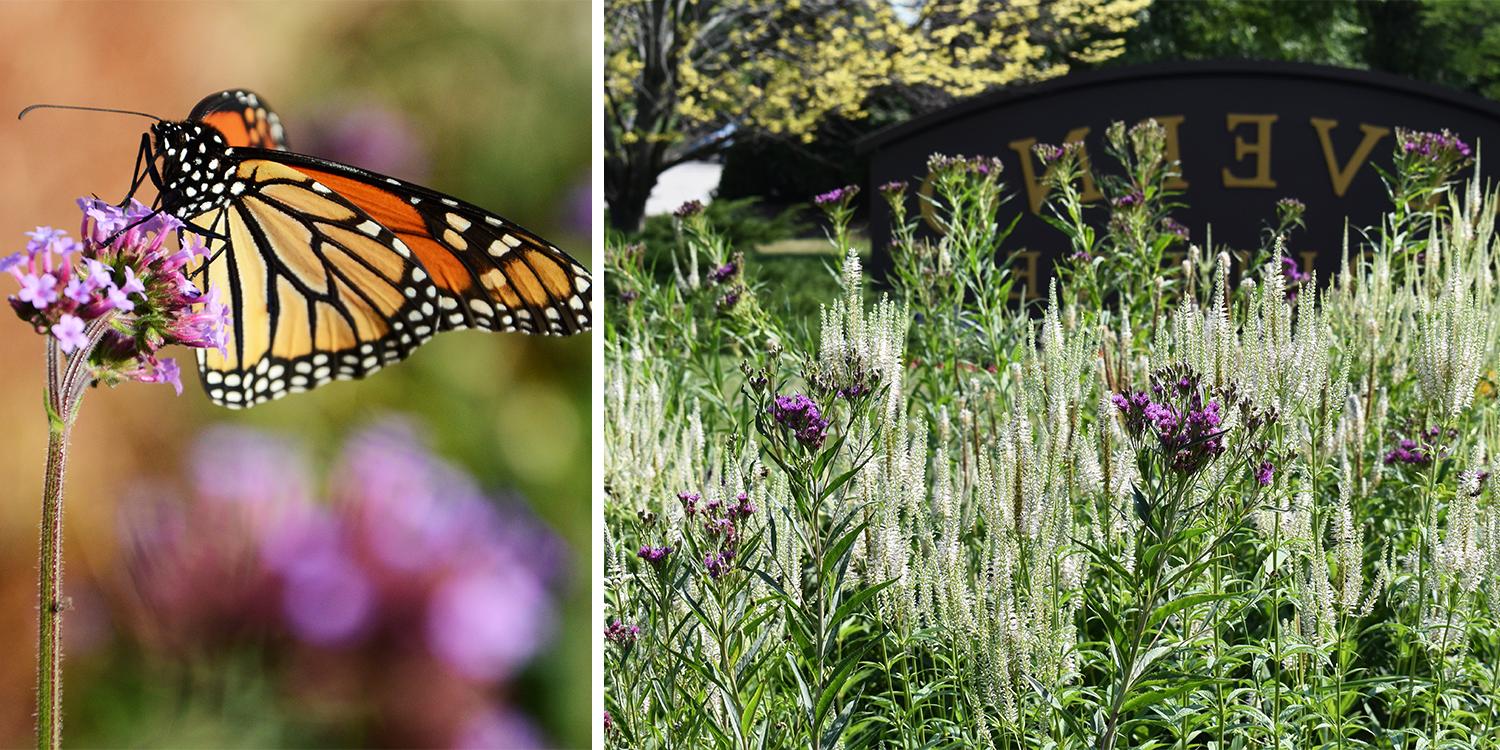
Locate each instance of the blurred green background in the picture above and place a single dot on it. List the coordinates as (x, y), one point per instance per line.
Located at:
(488, 101)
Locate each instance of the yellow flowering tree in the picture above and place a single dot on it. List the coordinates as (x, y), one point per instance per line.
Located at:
(684, 76)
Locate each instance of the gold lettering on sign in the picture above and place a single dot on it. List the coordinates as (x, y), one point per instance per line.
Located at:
(1174, 154)
(1025, 271)
(1308, 258)
(1036, 192)
(1260, 147)
(1341, 177)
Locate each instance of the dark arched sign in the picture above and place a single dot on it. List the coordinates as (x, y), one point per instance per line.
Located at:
(1247, 134)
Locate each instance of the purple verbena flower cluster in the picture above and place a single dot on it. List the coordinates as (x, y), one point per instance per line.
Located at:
(403, 561)
(122, 267)
(1186, 425)
(799, 414)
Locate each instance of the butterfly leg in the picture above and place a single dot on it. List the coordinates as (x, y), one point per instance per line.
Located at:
(139, 175)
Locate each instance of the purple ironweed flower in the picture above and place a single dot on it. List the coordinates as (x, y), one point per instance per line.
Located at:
(1264, 473)
(836, 197)
(723, 529)
(621, 634)
(1081, 256)
(723, 273)
(742, 508)
(122, 265)
(718, 563)
(1173, 227)
(1133, 198)
(1290, 210)
(689, 502)
(1047, 152)
(730, 299)
(799, 414)
(654, 555)
(894, 188)
(1437, 147)
(1186, 429)
(1294, 275)
(689, 209)
(1407, 452)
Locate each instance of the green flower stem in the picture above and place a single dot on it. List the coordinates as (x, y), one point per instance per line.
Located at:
(65, 385)
(51, 603)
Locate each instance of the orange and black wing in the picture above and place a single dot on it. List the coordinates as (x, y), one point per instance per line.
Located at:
(490, 272)
(332, 273)
(317, 290)
(243, 118)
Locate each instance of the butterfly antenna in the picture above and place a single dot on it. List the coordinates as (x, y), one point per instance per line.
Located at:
(87, 109)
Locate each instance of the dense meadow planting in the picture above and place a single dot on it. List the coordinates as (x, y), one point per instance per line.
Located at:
(1195, 498)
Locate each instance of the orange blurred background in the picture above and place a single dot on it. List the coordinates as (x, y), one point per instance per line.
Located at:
(492, 100)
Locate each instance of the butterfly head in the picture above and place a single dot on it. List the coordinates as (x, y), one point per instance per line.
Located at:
(196, 169)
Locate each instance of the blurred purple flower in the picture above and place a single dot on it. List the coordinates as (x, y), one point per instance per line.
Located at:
(327, 600)
(486, 624)
(498, 728)
(580, 208)
(373, 136)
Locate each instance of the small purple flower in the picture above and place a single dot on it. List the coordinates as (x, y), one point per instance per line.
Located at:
(654, 555)
(1133, 198)
(799, 414)
(837, 197)
(63, 282)
(40, 291)
(1264, 473)
(689, 209)
(1048, 153)
(1294, 275)
(621, 634)
(1176, 229)
(718, 563)
(723, 273)
(689, 502)
(1407, 452)
(893, 188)
(69, 333)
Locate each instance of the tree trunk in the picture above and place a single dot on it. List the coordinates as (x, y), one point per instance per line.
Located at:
(627, 199)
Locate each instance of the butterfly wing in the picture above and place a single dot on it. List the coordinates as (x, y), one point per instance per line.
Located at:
(318, 289)
(490, 273)
(243, 118)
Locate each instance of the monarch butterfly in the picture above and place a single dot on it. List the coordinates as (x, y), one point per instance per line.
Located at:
(333, 271)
